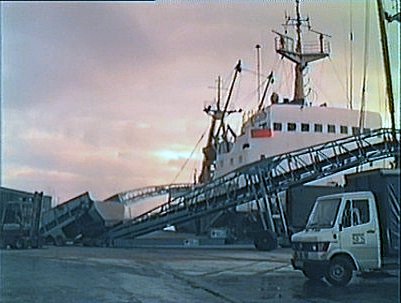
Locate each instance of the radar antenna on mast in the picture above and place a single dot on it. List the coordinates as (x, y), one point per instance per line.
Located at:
(294, 51)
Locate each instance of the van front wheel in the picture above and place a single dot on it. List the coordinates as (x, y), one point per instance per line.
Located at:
(339, 272)
(313, 274)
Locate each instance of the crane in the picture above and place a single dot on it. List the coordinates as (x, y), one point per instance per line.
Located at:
(217, 114)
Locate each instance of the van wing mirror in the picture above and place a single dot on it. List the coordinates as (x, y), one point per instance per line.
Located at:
(340, 227)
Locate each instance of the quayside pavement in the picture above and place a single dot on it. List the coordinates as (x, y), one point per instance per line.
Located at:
(213, 274)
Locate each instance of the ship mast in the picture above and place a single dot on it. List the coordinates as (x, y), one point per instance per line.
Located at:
(298, 55)
(387, 69)
(258, 69)
(386, 60)
(209, 151)
(299, 79)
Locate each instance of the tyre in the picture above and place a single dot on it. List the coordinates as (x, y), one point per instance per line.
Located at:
(313, 274)
(59, 241)
(37, 242)
(20, 244)
(40, 242)
(339, 272)
(266, 241)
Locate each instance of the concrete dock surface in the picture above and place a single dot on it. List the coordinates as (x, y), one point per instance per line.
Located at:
(187, 274)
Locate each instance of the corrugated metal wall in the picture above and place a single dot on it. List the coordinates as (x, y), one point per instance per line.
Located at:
(8, 194)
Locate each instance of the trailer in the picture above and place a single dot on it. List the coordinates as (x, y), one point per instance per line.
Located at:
(20, 222)
(80, 220)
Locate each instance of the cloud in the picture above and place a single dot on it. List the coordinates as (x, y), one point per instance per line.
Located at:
(52, 48)
(108, 96)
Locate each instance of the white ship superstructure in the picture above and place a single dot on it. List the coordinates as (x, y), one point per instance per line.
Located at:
(283, 127)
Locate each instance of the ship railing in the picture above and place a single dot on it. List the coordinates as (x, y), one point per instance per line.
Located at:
(287, 45)
(316, 47)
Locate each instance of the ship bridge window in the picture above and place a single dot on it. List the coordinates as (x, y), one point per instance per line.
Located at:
(277, 126)
(331, 128)
(366, 130)
(355, 130)
(318, 128)
(291, 126)
(344, 129)
(304, 127)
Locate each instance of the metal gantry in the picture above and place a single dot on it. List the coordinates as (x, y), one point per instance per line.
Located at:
(261, 181)
(131, 196)
(56, 219)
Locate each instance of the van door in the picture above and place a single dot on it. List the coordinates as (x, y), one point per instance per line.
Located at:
(360, 232)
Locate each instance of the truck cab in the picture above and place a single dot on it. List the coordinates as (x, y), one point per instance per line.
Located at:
(342, 235)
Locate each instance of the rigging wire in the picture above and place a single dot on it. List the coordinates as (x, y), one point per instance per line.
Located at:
(382, 99)
(318, 88)
(351, 65)
(190, 156)
(255, 73)
(320, 70)
(279, 73)
(336, 73)
(365, 64)
(288, 74)
(276, 69)
(236, 97)
(379, 81)
(252, 94)
(346, 74)
(227, 80)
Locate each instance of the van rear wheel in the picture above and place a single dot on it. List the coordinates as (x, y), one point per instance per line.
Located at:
(339, 272)
(266, 241)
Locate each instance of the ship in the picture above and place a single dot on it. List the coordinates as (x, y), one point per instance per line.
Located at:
(284, 124)
(276, 127)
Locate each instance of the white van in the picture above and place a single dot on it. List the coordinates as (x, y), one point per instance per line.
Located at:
(347, 232)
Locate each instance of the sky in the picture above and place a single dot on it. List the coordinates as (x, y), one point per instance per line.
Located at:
(106, 97)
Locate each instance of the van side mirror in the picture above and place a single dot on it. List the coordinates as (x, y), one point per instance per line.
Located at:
(340, 227)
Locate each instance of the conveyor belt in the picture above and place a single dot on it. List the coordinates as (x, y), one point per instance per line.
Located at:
(264, 179)
(56, 219)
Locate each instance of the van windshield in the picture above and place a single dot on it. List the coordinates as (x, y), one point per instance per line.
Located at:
(324, 213)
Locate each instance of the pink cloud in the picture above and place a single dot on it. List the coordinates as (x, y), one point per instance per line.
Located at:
(94, 95)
